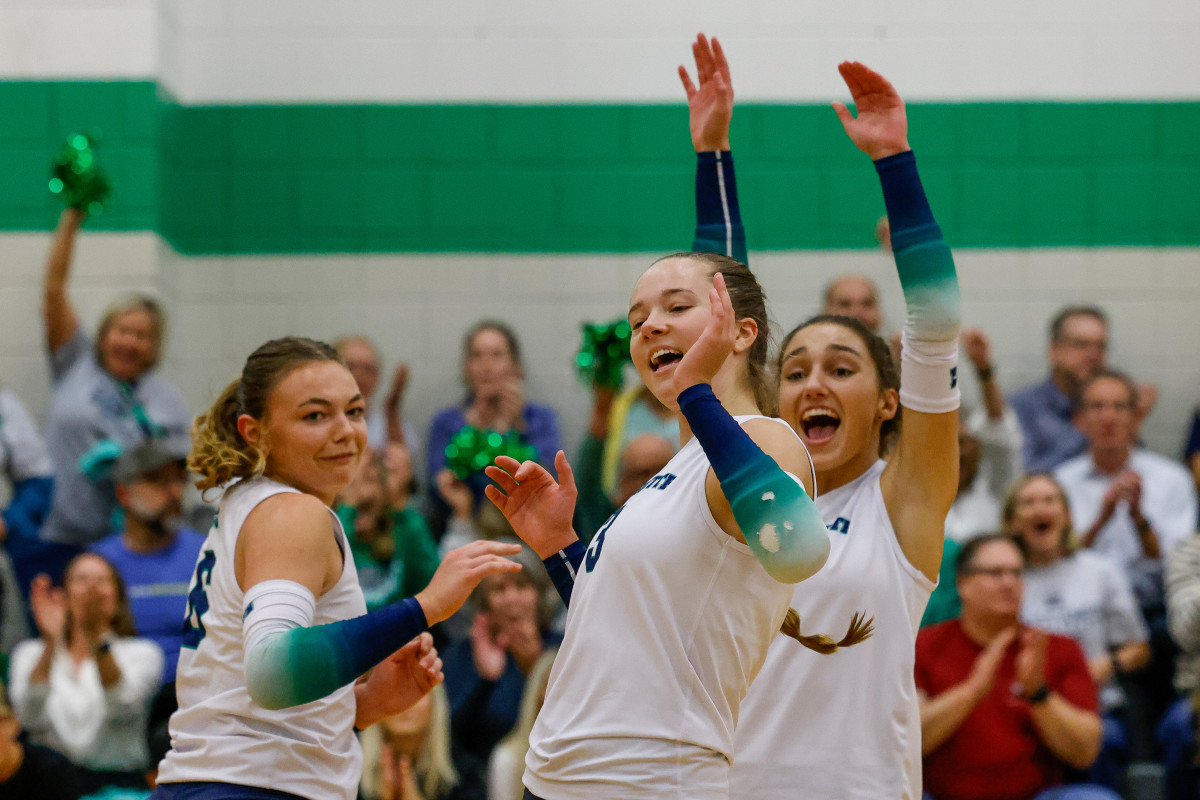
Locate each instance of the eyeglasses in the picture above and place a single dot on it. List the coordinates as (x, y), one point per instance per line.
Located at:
(1100, 405)
(997, 572)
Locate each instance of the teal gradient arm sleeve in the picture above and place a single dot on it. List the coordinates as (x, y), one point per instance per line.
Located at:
(718, 217)
(289, 661)
(923, 259)
(778, 518)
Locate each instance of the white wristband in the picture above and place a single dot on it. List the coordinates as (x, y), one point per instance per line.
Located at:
(929, 375)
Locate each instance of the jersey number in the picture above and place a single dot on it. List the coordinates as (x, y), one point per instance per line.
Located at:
(593, 551)
(197, 604)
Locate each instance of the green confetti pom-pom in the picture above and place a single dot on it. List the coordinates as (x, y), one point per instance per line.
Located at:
(604, 353)
(471, 449)
(77, 178)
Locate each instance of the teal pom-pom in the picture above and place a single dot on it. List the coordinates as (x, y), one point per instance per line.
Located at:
(604, 353)
(471, 449)
(77, 178)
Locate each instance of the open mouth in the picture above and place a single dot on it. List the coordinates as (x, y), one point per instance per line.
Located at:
(662, 357)
(1043, 526)
(820, 424)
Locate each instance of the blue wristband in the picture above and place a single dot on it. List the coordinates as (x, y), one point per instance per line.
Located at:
(563, 566)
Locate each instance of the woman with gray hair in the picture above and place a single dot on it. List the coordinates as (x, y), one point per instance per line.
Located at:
(106, 397)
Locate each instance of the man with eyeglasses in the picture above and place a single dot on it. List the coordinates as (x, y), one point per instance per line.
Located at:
(1078, 347)
(1127, 503)
(1006, 710)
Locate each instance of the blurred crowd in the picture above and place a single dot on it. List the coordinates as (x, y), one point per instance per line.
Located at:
(1070, 547)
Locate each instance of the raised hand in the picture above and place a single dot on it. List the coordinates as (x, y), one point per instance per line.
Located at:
(49, 606)
(1031, 660)
(538, 507)
(489, 655)
(706, 356)
(710, 105)
(881, 127)
(456, 494)
(460, 572)
(978, 347)
(404, 677)
(399, 384)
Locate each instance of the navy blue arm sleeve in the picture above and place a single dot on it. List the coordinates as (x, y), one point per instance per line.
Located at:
(718, 217)
(563, 566)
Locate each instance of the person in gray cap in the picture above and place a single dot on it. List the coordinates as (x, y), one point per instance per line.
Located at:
(154, 553)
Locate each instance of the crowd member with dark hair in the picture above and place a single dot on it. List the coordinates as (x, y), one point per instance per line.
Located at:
(495, 380)
(1006, 710)
(29, 770)
(841, 391)
(1083, 595)
(644, 694)
(106, 397)
(85, 686)
(277, 634)
(1178, 730)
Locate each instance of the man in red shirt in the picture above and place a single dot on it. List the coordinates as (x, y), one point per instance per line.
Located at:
(1005, 710)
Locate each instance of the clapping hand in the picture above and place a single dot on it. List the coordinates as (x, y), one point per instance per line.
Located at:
(881, 127)
(710, 105)
(49, 606)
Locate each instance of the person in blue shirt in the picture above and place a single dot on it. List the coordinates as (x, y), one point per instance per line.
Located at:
(154, 554)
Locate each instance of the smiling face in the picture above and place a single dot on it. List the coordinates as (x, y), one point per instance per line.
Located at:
(991, 586)
(829, 393)
(667, 313)
(1107, 413)
(1039, 516)
(314, 430)
(128, 344)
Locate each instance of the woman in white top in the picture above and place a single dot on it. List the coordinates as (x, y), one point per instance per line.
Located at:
(674, 602)
(84, 687)
(1081, 594)
(276, 637)
(848, 726)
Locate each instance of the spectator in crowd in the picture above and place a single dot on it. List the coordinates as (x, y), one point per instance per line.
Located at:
(1078, 348)
(84, 687)
(640, 459)
(507, 764)
(633, 414)
(394, 552)
(1083, 595)
(28, 472)
(486, 674)
(854, 296)
(29, 770)
(495, 400)
(106, 397)
(1177, 732)
(1191, 448)
(386, 424)
(1127, 503)
(155, 555)
(408, 756)
(13, 626)
(1006, 710)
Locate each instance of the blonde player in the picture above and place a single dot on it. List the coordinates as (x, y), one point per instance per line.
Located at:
(277, 634)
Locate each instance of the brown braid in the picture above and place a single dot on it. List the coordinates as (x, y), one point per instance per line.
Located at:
(860, 630)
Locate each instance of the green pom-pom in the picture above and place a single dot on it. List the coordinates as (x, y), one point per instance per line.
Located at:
(604, 353)
(77, 178)
(471, 449)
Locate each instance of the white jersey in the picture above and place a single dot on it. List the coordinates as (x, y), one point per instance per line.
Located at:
(670, 620)
(843, 726)
(219, 734)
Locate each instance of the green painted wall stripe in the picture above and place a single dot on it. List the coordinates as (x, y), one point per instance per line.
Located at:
(37, 118)
(595, 178)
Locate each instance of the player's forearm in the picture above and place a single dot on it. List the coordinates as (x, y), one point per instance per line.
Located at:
(718, 216)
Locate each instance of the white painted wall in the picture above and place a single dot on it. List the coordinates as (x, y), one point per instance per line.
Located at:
(244, 51)
(63, 39)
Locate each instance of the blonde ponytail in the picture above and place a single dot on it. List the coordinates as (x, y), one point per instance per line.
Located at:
(219, 453)
(860, 630)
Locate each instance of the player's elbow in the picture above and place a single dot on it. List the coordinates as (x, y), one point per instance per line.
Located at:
(802, 562)
(267, 689)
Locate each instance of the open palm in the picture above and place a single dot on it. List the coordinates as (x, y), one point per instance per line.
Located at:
(710, 105)
(881, 127)
(538, 507)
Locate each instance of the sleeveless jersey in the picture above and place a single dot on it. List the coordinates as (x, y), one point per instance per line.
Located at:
(219, 734)
(670, 620)
(843, 726)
